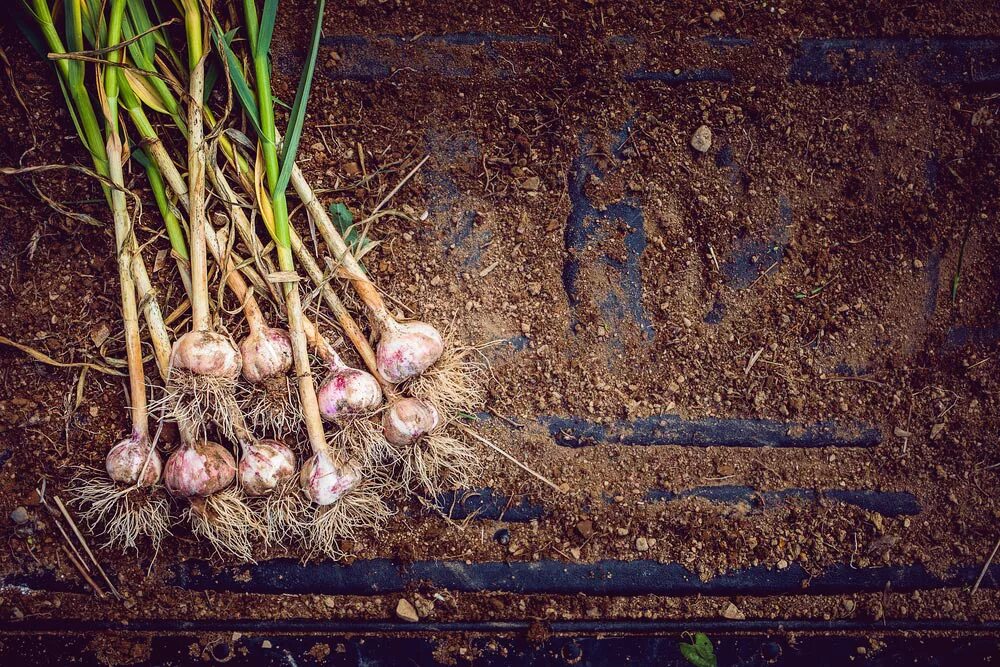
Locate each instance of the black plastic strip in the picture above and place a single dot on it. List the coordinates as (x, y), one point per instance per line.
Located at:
(607, 577)
(938, 60)
(710, 432)
(623, 627)
(488, 504)
(889, 504)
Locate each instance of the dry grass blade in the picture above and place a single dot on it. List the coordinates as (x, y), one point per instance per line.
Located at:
(986, 567)
(468, 431)
(86, 547)
(392, 193)
(83, 573)
(46, 359)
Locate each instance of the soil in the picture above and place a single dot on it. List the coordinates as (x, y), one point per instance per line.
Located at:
(848, 314)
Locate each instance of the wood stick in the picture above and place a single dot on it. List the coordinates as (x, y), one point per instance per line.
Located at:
(986, 567)
(510, 458)
(86, 547)
(83, 573)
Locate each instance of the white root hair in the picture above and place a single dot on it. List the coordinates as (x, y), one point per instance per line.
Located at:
(227, 522)
(327, 529)
(270, 407)
(362, 439)
(456, 383)
(121, 515)
(281, 514)
(437, 463)
(198, 399)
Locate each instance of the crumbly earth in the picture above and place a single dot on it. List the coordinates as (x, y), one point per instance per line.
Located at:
(878, 306)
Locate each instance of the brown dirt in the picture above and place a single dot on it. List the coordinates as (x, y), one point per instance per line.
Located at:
(866, 224)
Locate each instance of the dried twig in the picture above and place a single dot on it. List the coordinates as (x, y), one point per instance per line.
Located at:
(46, 359)
(385, 200)
(989, 561)
(79, 565)
(498, 449)
(86, 547)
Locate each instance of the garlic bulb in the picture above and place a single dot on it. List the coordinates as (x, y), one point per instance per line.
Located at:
(407, 349)
(206, 353)
(265, 466)
(407, 419)
(348, 391)
(126, 460)
(325, 481)
(199, 468)
(267, 353)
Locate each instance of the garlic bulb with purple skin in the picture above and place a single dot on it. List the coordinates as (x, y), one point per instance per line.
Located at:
(325, 481)
(407, 349)
(267, 353)
(199, 469)
(348, 391)
(266, 465)
(407, 419)
(206, 353)
(126, 462)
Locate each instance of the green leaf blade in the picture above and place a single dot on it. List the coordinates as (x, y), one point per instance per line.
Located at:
(297, 116)
(246, 96)
(267, 20)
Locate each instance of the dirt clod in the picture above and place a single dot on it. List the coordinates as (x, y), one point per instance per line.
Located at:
(701, 140)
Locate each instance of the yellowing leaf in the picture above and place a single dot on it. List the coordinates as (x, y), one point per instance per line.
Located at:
(145, 92)
(263, 201)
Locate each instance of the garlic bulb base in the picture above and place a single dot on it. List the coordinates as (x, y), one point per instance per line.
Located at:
(325, 481)
(199, 469)
(126, 462)
(348, 391)
(206, 353)
(266, 353)
(266, 465)
(407, 349)
(407, 419)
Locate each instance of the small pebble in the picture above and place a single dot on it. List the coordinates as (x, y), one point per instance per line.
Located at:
(266, 644)
(733, 613)
(641, 544)
(701, 140)
(20, 516)
(717, 15)
(406, 611)
(586, 529)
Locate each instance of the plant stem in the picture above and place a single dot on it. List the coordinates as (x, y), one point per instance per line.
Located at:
(123, 239)
(281, 233)
(85, 113)
(71, 77)
(340, 311)
(158, 334)
(251, 309)
(114, 35)
(194, 32)
(362, 284)
(200, 315)
(234, 279)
